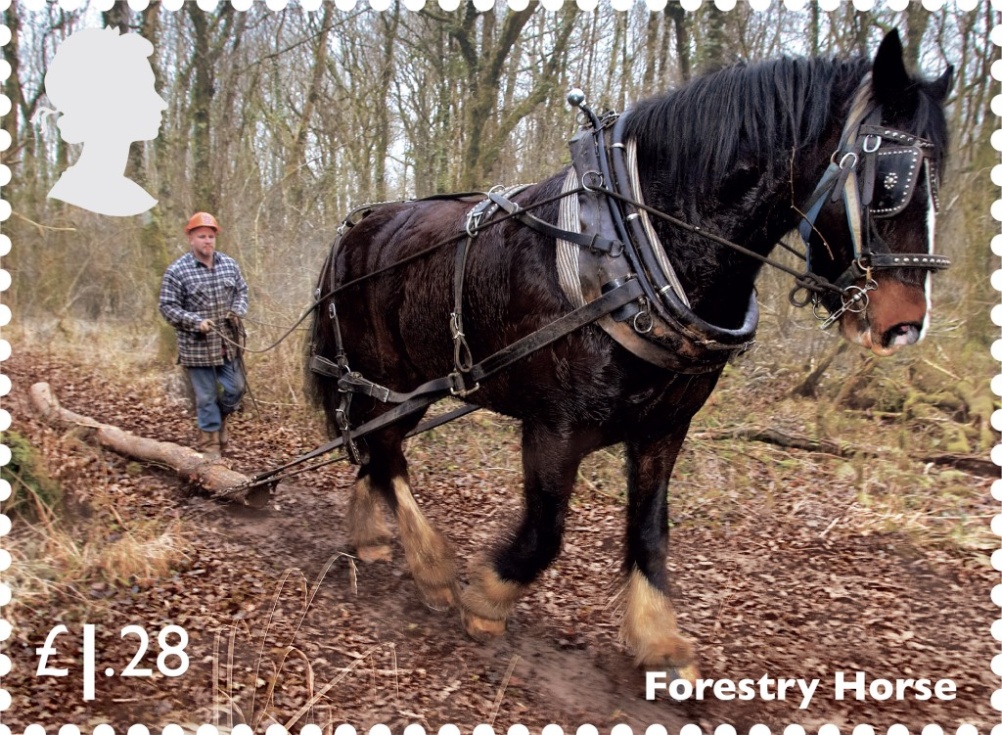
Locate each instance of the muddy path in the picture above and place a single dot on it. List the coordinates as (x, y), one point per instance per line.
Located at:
(285, 627)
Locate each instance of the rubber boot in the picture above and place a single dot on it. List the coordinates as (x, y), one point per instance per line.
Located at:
(224, 435)
(208, 444)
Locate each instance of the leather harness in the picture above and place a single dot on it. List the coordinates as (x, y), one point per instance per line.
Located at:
(627, 285)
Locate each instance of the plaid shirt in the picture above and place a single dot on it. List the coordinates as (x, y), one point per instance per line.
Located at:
(191, 292)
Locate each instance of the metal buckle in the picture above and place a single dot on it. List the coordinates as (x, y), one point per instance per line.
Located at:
(341, 417)
(458, 387)
(855, 160)
(473, 222)
(866, 143)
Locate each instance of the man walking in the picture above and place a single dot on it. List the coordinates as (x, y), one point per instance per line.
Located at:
(203, 296)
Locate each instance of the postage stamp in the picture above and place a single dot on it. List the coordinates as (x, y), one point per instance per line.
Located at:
(359, 361)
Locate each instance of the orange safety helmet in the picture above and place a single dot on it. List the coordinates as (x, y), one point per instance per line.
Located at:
(201, 219)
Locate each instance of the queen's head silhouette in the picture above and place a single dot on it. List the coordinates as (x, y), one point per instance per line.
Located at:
(102, 85)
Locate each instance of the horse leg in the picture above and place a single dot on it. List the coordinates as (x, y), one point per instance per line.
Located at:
(649, 625)
(429, 555)
(368, 533)
(550, 462)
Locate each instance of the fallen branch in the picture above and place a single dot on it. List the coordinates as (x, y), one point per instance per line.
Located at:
(965, 462)
(214, 477)
(772, 436)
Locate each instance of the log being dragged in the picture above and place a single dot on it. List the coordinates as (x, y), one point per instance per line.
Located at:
(214, 477)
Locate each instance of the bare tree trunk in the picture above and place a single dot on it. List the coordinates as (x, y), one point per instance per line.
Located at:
(916, 20)
(814, 31)
(382, 144)
(297, 159)
(681, 20)
(209, 43)
(220, 481)
(654, 23)
(715, 41)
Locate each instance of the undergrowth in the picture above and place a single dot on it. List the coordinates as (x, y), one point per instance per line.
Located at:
(722, 485)
(34, 493)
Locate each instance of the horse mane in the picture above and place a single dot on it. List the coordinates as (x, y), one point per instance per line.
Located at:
(739, 117)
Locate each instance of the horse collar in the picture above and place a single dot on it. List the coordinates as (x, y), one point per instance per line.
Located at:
(662, 328)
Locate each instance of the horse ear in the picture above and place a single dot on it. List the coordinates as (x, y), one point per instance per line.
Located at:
(892, 86)
(939, 90)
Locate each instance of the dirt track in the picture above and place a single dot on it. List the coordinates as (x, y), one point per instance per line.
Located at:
(780, 592)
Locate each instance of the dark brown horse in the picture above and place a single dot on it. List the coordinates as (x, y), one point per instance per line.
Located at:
(746, 154)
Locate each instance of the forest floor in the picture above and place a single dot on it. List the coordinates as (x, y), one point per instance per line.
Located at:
(784, 563)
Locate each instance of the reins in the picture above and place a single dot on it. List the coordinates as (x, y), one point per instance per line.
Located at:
(839, 179)
(804, 279)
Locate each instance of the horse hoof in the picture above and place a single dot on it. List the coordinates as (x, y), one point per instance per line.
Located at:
(482, 630)
(439, 599)
(377, 552)
(689, 673)
(671, 652)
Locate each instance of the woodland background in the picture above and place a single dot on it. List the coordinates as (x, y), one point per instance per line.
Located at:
(280, 124)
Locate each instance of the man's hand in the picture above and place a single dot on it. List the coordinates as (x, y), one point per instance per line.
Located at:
(206, 326)
(233, 319)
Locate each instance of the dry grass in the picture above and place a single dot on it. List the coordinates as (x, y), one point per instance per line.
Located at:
(56, 560)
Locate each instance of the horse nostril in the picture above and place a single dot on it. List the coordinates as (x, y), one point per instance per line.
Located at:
(902, 334)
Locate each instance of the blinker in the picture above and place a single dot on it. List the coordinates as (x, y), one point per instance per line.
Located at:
(897, 174)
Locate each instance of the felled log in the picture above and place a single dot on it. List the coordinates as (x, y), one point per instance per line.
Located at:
(214, 477)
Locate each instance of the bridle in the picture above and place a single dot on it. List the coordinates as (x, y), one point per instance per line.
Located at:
(874, 171)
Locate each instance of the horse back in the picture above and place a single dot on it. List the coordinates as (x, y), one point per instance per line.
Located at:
(396, 271)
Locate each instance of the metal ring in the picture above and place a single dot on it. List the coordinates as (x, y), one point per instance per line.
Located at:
(858, 302)
(588, 176)
(855, 157)
(636, 322)
(867, 139)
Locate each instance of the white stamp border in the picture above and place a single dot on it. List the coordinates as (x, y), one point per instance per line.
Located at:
(484, 5)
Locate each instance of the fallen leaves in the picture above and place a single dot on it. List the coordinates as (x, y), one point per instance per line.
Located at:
(762, 579)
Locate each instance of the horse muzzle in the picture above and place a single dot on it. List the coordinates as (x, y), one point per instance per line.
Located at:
(894, 317)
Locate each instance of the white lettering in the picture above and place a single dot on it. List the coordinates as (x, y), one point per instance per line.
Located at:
(946, 689)
(922, 690)
(882, 690)
(724, 690)
(656, 680)
(677, 685)
(841, 685)
(701, 686)
(47, 650)
(847, 685)
(807, 689)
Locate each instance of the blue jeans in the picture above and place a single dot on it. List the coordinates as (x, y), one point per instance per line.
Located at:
(218, 391)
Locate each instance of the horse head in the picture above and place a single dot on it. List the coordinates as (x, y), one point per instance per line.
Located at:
(870, 223)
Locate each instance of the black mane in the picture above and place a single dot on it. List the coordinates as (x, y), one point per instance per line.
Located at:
(748, 116)
(694, 137)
